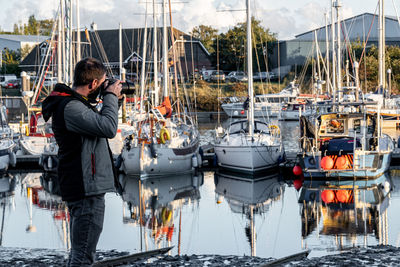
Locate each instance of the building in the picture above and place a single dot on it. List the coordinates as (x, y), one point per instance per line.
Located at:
(15, 42)
(362, 28)
(104, 45)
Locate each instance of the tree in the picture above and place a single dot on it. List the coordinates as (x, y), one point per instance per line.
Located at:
(24, 51)
(16, 29)
(32, 28)
(11, 61)
(45, 26)
(232, 46)
(206, 34)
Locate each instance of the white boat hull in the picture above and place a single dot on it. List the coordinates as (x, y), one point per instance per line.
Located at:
(33, 145)
(140, 161)
(248, 158)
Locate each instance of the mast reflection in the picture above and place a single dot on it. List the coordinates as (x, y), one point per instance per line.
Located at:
(154, 204)
(248, 195)
(41, 191)
(348, 209)
(7, 188)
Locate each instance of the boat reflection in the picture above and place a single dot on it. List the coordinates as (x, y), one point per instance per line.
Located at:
(347, 209)
(155, 204)
(248, 195)
(39, 188)
(7, 188)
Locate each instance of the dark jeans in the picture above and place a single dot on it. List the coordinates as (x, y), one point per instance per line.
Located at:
(87, 216)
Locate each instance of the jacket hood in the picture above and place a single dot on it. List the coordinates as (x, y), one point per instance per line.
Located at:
(53, 100)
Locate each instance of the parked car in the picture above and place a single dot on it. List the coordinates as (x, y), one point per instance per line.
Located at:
(5, 78)
(237, 76)
(206, 74)
(13, 84)
(132, 76)
(264, 76)
(217, 75)
(50, 81)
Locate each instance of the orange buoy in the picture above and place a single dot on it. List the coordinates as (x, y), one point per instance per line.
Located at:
(328, 196)
(341, 162)
(298, 183)
(327, 163)
(297, 170)
(343, 196)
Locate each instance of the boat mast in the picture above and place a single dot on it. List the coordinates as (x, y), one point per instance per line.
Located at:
(68, 14)
(155, 55)
(381, 49)
(333, 52)
(328, 88)
(165, 51)
(78, 33)
(143, 69)
(253, 231)
(59, 47)
(63, 37)
(339, 50)
(120, 50)
(250, 69)
(2, 220)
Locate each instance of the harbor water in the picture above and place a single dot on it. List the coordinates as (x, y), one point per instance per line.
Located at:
(208, 212)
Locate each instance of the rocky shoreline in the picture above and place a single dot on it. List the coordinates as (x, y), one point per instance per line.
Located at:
(370, 256)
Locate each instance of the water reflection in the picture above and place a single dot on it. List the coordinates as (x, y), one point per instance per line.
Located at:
(38, 190)
(223, 213)
(155, 204)
(348, 209)
(7, 188)
(248, 195)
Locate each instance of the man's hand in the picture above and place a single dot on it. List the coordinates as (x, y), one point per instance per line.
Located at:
(115, 88)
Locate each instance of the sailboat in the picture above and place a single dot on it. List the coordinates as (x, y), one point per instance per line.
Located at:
(7, 144)
(250, 145)
(390, 107)
(161, 142)
(346, 141)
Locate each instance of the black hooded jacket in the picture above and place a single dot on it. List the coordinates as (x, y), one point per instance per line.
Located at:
(85, 161)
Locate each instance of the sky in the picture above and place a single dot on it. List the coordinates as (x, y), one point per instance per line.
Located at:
(287, 18)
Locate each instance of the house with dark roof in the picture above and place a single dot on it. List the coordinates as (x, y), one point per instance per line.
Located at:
(16, 42)
(363, 28)
(104, 45)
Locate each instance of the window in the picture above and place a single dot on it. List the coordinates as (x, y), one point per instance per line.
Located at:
(357, 126)
(335, 126)
(261, 127)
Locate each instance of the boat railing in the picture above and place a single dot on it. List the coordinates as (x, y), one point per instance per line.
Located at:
(231, 99)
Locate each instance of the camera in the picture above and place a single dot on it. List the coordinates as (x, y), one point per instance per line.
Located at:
(128, 88)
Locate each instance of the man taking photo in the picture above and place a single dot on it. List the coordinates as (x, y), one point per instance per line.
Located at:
(85, 169)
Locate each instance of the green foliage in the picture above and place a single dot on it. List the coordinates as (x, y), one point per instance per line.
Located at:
(24, 51)
(45, 27)
(232, 46)
(33, 27)
(206, 34)
(369, 65)
(10, 61)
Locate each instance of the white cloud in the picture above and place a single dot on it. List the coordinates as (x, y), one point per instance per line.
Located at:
(285, 17)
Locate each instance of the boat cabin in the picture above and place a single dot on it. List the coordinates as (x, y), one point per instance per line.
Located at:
(242, 126)
(344, 125)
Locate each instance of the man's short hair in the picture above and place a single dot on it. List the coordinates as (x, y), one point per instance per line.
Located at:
(87, 70)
